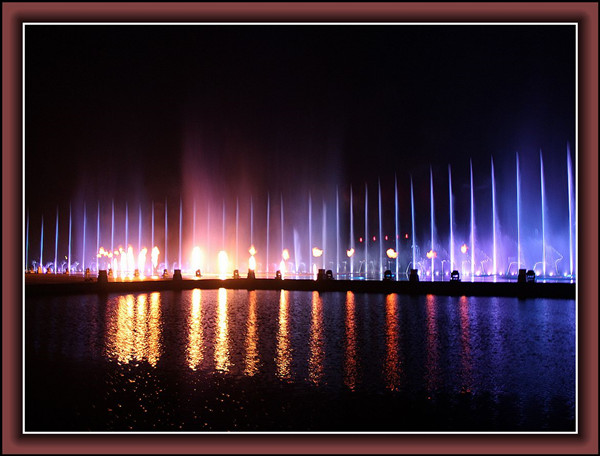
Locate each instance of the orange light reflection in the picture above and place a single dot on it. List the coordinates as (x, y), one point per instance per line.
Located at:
(350, 364)
(317, 352)
(284, 352)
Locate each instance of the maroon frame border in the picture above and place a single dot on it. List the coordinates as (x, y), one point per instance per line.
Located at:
(585, 14)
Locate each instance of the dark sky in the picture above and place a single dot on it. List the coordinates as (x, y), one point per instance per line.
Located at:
(151, 111)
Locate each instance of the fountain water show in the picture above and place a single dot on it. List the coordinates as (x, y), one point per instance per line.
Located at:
(485, 226)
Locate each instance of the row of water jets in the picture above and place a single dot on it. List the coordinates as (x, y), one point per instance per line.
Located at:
(123, 261)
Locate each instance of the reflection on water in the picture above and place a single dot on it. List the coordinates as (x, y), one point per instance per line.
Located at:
(284, 352)
(195, 349)
(465, 344)
(133, 329)
(183, 354)
(252, 357)
(432, 344)
(222, 336)
(350, 358)
(317, 349)
(392, 358)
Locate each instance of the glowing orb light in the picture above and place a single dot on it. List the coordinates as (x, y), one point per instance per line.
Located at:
(350, 253)
(317, 252)
(252, 250)
(464, 248)
(391, 253)
(285, 255)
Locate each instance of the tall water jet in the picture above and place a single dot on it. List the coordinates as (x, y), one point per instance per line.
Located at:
(412, 211)
(27, 241)
(84, 223)
(237, 231)
(112, 227)
(518, 214)
(268, 229)
(180, 226)
(194, 225)
(380, 231)
(494, 251)
(324, 235)
(432, 221)
(337, 230)
(451, 201)
(543, 215)
(152, 238)
(281, 215)
(351, 235)
(56, 242)
(223, 227)
(396, 222)
(472, 222)
(310, 246)
(251, 222)
(366, 230)
(208, 236)
(126, 226)
(69, 251)
(97, 235)
(570, 184)
(166, 237)
(42, 245)
(140, 229)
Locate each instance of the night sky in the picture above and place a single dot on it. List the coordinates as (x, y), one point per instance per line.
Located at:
(148, 112)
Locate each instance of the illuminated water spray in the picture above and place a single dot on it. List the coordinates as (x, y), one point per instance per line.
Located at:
(152, 243)
(570, 182)
(56, 243)
(84, 222)
(112, 227)
(237, 231)
(140, 228)
(27, 241)
(396, 227)
(432, 221)
(324, 234)
(366, 230)
(337, 230)
(412, 212)
(166, 237)
(310, 246)
(518, 214)
(69, 251)
(42, 244)
(494, 215)
(180, 225)
(351, 252)
(126, 225)
(543, 215)
(97, 233)
(472, 222)
(451, 201)
(380, 231)
(268, 229)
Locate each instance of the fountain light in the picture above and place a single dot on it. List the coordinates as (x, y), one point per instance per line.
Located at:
(252, 250)
(130, 261)
(223, 261)
(142, 261)
(285, 255)
(252, 263)
(391, 253)
(317, 252)
(282, 268)
(432, 254)
(350, 253)
(154, 257)
(464, 248)
(196, 258)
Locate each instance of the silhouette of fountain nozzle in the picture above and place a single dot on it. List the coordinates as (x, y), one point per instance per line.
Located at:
(414, 275)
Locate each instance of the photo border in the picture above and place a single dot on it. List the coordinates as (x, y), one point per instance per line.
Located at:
(585, 14)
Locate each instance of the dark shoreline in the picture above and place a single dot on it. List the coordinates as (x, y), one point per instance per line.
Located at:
(501, 289)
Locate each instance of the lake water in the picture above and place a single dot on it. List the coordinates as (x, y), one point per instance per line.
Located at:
(238, 360)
